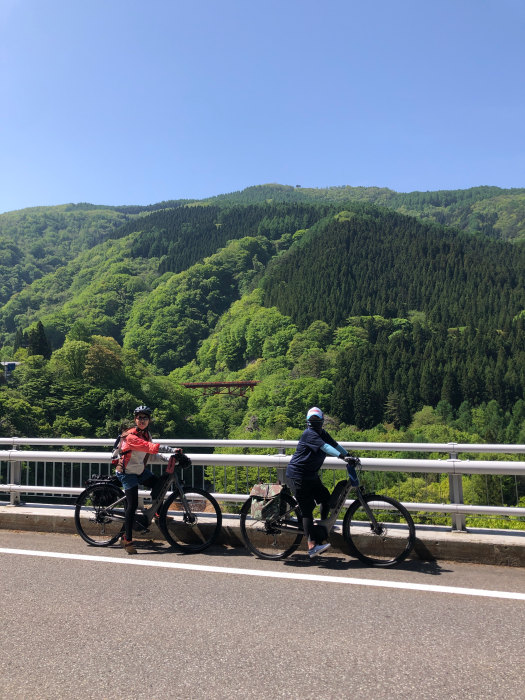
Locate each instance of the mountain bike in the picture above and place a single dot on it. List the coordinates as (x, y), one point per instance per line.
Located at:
(189, 517)
(378, 530)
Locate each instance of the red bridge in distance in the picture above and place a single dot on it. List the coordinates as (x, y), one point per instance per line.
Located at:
(226, 388)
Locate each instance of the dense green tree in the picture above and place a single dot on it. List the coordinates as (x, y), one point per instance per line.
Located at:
(488, 420)
(102, 367)
(396, 410)
(20, 417)
(65, 427)
(71, 358)
(79, 331)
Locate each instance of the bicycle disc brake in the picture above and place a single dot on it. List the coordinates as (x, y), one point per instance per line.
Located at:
(189, 518)
(378, 529)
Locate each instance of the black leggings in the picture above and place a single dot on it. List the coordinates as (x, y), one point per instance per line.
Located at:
(308, 493)
(132, 503)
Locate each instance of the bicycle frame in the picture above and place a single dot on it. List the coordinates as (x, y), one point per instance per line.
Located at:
(146, 515)
(149, 513)
(328, 523)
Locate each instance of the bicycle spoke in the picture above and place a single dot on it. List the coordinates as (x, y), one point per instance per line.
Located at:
(196, 528)
(266, 538)
(96, 520)
(386, 539)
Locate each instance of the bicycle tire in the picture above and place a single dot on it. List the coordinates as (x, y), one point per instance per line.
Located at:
(191, 537)
(264, 538)
(94, 521)
(393, 541)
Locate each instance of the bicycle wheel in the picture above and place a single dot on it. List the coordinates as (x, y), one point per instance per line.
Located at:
(96, 521)
(266, 538)
(387, 542)
(194, 531)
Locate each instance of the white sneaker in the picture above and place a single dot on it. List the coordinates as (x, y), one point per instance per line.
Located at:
(318, 549)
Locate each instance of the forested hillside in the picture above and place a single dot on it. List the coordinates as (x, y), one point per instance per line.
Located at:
(489, 211)
(380, 262)
(39, 240)
(392, 321)
(101, 284)
(34, 242)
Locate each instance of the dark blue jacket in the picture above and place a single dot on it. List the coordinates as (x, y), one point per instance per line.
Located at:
(309, 457)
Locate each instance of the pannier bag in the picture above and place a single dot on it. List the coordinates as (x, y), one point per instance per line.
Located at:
(266, 501)
(102, 479)
(102, 497)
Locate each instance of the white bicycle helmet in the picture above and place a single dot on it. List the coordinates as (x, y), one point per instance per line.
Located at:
(315, 416)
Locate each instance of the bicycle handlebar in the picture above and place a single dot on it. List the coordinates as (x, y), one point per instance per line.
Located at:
(352, 464)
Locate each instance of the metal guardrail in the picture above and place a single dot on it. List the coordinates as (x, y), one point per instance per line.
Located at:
(451, 465)
(447, 447)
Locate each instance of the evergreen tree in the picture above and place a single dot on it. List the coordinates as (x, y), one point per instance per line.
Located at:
(37, 343)
(20, 340)
(450, 390)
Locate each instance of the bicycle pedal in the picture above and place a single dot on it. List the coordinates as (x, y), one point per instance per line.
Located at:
(140, 527)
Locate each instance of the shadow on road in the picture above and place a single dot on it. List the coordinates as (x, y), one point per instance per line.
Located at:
(336, 563)
(299, 560)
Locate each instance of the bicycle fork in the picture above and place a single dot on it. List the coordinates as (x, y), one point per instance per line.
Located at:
(376, 527)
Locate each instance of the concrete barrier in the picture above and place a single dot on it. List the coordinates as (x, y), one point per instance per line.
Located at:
(497, 548)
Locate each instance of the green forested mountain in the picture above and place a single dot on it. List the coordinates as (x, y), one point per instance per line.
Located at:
(490, 211)
(100, 284)
(376, 261)
(38, 240)
(395, 312)
(182, 237)
(34, 242)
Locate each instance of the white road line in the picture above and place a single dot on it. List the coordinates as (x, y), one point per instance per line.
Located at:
(273, 574)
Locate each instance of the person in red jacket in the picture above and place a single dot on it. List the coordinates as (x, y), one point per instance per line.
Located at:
(135, 449)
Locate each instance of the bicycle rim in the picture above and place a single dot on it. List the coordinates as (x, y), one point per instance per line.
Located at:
(193, 531)
(98, 524)
(265, 538)
(387, 543)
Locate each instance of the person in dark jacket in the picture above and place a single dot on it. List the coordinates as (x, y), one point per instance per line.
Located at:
(302, 476)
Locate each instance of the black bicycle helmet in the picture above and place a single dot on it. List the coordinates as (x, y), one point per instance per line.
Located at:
(143, 409)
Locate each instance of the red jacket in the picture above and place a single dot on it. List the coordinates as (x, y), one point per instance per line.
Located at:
(134, 443)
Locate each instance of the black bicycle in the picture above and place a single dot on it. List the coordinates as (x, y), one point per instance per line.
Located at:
(378, 530)
(189, 517)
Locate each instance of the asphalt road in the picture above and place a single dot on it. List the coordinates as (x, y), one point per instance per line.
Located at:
(226, 625)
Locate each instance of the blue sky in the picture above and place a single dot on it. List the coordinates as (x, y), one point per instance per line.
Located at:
(139, 101)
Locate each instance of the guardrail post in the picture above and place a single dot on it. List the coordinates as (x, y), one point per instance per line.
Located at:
(15, 475)
(455, 486)
(281, 471)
